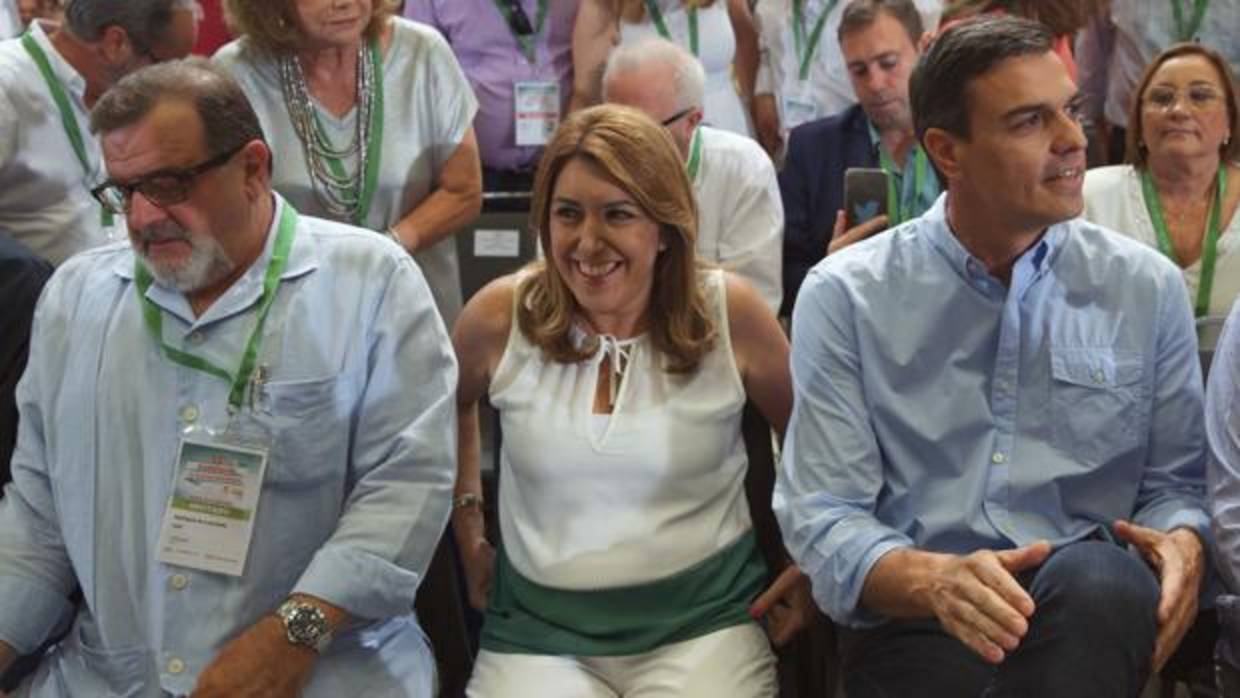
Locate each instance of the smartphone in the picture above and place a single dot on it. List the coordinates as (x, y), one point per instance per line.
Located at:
(865, 194)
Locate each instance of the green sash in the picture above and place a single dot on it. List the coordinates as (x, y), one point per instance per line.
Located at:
(528, 618)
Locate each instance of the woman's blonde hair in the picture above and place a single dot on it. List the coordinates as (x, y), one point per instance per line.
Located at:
(640, 156)
(634, 11)
(271, 25)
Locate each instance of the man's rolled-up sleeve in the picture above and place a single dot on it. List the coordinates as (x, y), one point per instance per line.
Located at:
(403, 460)
(1172, 492)
(831, 473)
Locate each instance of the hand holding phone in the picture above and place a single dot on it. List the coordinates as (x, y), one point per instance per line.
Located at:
(865, 194)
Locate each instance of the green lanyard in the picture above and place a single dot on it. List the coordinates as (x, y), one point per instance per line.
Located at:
(528, 42)
(67, 119)
(657, 17)
(1205, 285)
(806, 49)
(1187, 32)
(275, 269)
(695, 155)
(902, 208)
(374, 142)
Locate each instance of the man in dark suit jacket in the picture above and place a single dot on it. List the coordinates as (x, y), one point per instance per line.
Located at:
(812, 187)
(878, 39)
(22, 276)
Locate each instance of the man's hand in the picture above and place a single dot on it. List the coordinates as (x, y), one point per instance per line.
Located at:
(787, 605)
(1179, 559)
(841, 238)
(977, 599)
(478, 559)
(766, 124)
(258, 663)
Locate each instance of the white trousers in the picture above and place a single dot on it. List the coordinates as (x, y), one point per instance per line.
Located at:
(736, 662)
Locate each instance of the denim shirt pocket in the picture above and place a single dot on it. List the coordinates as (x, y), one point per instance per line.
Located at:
(308, 424)
(1097, 410)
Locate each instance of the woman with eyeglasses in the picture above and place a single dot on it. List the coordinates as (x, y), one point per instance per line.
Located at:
(370, 118)
(1181, 185)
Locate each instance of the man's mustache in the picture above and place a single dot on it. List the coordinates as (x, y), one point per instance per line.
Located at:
(163, 231)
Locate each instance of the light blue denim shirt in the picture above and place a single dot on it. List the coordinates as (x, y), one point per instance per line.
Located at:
(937, 408)
(360, 400)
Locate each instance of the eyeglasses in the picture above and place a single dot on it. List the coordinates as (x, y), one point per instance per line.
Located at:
(677, 116)
(1199, 98)
(163, 188)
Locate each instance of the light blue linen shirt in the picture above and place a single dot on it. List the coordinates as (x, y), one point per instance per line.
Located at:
(937, 408)
(360, 402)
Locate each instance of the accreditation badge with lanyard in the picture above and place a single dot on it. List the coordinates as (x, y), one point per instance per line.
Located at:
(798, 101)
(536, 103)
(209, 518)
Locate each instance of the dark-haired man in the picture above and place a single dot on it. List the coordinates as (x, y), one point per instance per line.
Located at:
(49, 80)
(878, 40)
(989, 403)
(236, 431)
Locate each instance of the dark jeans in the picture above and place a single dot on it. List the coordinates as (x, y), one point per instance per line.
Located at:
(1227, 655)
(1227, 678)
(1092, 636)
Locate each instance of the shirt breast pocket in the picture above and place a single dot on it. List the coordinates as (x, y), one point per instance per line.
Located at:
(1096, 402)
(309, 424)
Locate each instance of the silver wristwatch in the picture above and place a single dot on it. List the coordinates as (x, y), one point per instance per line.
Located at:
(305, 624)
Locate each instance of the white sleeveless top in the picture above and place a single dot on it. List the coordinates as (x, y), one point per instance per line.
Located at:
(716, 48)
(601, 501)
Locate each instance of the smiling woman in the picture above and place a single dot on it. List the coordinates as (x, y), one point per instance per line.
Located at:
(1180, 189)
(620, 367)
(610, 191)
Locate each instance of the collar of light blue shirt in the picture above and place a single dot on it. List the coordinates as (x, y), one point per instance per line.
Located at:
(302, 259)
(1040, 256)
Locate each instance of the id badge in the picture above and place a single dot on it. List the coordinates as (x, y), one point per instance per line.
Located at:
(798, 109)
(537, 106)
(209, 520)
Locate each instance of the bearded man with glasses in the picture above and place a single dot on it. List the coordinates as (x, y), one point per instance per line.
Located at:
(237, 432)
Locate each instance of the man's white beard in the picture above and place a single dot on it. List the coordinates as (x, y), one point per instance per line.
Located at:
(206, 265)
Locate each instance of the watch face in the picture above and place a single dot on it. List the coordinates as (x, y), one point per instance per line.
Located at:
(306, 624)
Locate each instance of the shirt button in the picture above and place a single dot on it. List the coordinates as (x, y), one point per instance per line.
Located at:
(195, 337)
(1100, 377)
(179, 581)
(175, 666)
(189, 413)
(998, 458)
(1002, 386)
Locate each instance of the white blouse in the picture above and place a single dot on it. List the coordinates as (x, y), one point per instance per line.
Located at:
(593, 501)
(1113, 199)
(427, 107)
